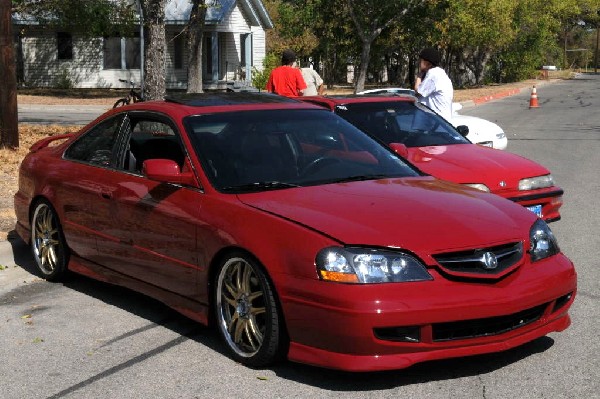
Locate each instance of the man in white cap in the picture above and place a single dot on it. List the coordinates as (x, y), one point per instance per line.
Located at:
(433, 86)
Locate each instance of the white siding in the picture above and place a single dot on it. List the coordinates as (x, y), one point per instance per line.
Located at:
(259, 47)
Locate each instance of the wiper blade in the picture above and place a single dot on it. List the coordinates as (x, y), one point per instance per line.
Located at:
(360, 178)
(260, 185)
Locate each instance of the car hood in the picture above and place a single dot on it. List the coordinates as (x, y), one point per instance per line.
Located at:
(471, 163)
(419, 214)
(476, 124)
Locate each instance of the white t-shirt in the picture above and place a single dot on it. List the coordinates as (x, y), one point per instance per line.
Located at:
(313, 81)
(436, 92)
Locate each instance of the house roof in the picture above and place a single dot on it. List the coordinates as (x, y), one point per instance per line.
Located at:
(178, 11)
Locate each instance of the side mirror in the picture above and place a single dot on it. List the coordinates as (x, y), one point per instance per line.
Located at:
(463, 130)
(399, 149)
(167, 171)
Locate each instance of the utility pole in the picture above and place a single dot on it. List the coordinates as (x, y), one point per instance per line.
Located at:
(9, 132)
(597, 40)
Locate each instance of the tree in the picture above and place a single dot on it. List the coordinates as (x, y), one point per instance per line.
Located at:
(370, 18)
(86, 18)
(195, 37)
(154, 50)
(9, 133)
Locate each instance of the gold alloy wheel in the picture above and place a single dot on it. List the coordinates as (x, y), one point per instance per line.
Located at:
(242, 314)
(46, 240)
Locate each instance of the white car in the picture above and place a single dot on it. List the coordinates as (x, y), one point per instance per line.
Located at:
(481, 131)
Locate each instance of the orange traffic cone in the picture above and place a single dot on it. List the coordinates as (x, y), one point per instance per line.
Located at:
(533, 101)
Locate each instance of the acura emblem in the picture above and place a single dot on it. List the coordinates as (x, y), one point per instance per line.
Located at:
(490, 261)
(502, 183)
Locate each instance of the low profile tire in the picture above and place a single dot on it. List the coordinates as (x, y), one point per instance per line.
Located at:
(120, 103)
(48, 243)
(247, 313)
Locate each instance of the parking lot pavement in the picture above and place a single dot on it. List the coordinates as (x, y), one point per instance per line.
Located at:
(16, 265)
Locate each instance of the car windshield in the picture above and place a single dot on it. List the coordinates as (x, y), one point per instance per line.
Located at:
(249, 151)
(401, 122)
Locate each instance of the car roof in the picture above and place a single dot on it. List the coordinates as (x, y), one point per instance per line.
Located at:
(185, 104)
(332, 101)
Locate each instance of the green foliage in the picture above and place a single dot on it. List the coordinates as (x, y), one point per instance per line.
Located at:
(260, 78)
(63, 79)
(87, 18)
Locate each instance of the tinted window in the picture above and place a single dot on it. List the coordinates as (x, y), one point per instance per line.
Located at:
(151, 138)
(401, 122)
(241, 151)
(97, 145)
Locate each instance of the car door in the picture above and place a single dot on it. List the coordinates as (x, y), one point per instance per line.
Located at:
(154, 223)
(85, 203)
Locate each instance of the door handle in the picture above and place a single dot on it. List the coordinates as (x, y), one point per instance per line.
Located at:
(106, 194)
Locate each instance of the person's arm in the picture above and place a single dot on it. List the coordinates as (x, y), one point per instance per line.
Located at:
(269, 86)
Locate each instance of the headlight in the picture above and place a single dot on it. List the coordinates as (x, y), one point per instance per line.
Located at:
(543, 242)
(363, 265)
(479, 186)
(533, 183)
(486, 143)
(500, 135)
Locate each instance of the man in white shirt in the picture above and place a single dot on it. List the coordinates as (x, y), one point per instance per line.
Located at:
(433, 86)
(314, 83)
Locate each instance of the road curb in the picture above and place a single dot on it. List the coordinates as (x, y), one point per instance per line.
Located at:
(507, 93)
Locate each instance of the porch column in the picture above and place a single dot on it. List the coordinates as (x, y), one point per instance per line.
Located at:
(247, 49)
(214, 50)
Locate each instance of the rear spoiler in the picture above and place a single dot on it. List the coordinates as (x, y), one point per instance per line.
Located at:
(43, 143)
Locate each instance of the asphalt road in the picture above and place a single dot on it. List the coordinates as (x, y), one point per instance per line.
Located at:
(59, 114)
(85, 339)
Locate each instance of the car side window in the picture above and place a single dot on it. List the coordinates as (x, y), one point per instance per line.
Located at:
(151, 139)
(96, 146)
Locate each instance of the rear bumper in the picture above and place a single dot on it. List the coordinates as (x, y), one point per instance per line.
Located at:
(334, 325)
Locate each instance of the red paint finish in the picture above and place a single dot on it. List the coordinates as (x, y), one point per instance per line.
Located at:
(164, 236)
(500, 171)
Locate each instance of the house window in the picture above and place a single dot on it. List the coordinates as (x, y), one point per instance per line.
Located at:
(64, 43)
(132, 53)
(122, 53)
(112, 53)
(209, 55)
(178, 46)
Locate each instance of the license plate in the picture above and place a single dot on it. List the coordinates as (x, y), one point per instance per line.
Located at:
(537, 209)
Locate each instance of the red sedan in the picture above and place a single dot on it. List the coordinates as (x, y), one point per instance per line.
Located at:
(296, 233)
(433, 145)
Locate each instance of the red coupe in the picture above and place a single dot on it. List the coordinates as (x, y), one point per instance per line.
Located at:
(434, 146)
(296, 233)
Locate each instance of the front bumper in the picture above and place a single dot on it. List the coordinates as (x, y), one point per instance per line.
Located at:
(334, 325)
(550, 199)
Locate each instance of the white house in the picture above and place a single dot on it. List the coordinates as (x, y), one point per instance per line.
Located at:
(234, 44)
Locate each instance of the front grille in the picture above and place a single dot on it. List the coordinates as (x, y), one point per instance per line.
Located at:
(483, 261)
(485, 327)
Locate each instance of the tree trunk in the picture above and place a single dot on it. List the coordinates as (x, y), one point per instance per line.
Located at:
(9, 132)
(363, 66)
(154, 52)
(194, 45)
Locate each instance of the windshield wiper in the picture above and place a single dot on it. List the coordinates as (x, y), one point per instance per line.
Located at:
(260, 185)
(360, 178)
